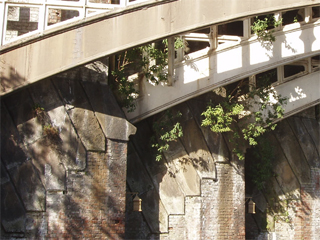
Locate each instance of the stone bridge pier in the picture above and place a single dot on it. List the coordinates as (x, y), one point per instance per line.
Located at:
(63, 160)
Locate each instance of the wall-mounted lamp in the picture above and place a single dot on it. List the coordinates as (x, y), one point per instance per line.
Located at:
(251, 205)
(136, 202)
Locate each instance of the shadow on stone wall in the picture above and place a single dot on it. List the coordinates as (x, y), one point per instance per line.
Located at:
(180, 194)
(288, 201)
(63, 160)
(198, 184)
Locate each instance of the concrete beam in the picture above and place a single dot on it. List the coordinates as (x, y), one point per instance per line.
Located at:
(24, 63)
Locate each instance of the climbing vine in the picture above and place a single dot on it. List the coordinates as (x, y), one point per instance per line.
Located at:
(254, 112)
(260, 167)
(167, 129)
(261, 27)
(150, 61)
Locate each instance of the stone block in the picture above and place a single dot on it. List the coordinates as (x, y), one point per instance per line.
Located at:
(21, 108)
(154, 211)
(12, 210)
(198, 152)
(70, 148)
(307, 144)
(12, 149)
(102, 99)
(29, 186)
(116, 128)
(138, 178)
(81, 114)
(293, 151)
(313, 128)
(36, 225)
(171, 195)
(88, 129)
(184, 174)
(72, 93)
(288, 182)
(108, 112)
(44, 94)
(46, 159)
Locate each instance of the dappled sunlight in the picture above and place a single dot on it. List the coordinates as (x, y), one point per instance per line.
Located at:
(293, 44)
(315, 45)
(203, 70)
(258, 54)
(299, 94)
(195, 70)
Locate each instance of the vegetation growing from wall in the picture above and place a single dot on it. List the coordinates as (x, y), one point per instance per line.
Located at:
(263, 28)
(123, 88)
(150, 61)
(167, 129)
(262, 157)
(253, 112)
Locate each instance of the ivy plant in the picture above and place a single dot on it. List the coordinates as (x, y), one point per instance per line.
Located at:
(261, 165)
(166, 129)
(150, 60)
(123, 88)
(238, 111)
(261, 27)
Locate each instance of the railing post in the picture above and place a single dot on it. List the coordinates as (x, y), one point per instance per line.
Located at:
(280, 73)
(307, 14)
(246, 28)
(170, 60)
(123, 3)
(213, 37)
(277, 17)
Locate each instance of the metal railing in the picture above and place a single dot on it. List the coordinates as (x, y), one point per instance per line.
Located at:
(22, 18)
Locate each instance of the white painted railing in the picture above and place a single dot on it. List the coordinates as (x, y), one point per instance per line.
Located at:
(294, 55)
(22, 18)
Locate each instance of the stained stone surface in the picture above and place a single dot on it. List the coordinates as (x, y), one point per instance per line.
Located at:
(88, 128)
(57, 175)
(81, 114)
(12, 149)
(47, 162)
(110, 118)
(12, 210)
(313, 128)
(21, 109)
(199, 155)
(293, 151)
(29, 186)
(139, 181)
(307, 144)
(284, 174)
(73, 154)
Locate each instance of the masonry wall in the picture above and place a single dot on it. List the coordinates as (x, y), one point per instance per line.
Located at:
(63, 160)
(198, 190)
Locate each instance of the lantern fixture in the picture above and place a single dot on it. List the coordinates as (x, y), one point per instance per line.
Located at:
(251, 207)
(137, 204)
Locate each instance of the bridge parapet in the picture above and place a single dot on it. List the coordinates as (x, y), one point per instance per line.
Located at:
(295, 53)
(21, 19)
(56, 50)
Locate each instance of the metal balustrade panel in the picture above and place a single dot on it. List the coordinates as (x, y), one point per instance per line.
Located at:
(14, 22)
